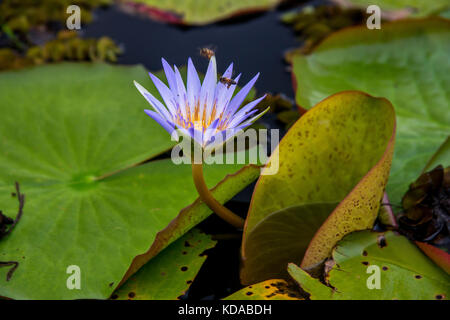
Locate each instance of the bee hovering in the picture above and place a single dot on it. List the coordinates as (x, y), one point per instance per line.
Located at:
(207, 52)
(227, 81)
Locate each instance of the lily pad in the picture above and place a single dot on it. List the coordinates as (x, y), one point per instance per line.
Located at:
(171, 272)
(274, 289)
(197, 12)
(439, 256)
(374, 61)
(280, 238)
(340, 150)
(441, 156)
(74, 135)
(405, 272)
(417, 8)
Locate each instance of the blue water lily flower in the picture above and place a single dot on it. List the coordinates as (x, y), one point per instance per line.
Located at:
(201, 111)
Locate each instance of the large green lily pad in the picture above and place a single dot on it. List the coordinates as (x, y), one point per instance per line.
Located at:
(406, 62)
(405, 272)
(73, 135)
(171, 272)
(198, 12)
(441, 157)
(339, 152)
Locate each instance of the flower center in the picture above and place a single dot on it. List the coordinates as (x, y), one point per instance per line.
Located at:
(198, 125)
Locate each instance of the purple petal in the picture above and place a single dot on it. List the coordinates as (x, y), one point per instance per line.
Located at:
(228, 73)
(182, 95)
(158, 106)
(190, 133)
(240, 96)
(196, 135)
(221, 89)
(223, 102)
(238, 119)
(211, 130)
(226, 136)
(208, 87)
(243, 111)
(170, 76)
(162, 122)
(193, 86)
(249, 122)
(166, 94)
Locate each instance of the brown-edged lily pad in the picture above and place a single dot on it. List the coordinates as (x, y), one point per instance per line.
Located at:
(197, 12)
(399, 9)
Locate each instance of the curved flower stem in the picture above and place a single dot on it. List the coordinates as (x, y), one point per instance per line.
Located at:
(211, 202)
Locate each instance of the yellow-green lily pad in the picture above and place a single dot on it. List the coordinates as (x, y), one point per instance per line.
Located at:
(273, 289)
(338, 152)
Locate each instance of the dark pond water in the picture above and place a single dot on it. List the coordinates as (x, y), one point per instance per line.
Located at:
(255, 44)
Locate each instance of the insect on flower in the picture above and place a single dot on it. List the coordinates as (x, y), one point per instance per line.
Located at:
(227, 81)
(207, 52)
(201, 111)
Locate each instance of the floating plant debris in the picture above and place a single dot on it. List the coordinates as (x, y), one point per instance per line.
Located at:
(68, 46)
(426, 207)
(6, 226)
(22, 15)
(12, 264)
(314, 24)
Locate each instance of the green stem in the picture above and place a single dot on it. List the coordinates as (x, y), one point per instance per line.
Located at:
(207, 197)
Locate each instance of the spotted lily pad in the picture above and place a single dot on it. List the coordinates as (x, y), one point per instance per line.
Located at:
(74, 135)
(374, 61)
(338, 152)
(405, 273)
(171, 272)
(197, 12)
(274, 289)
